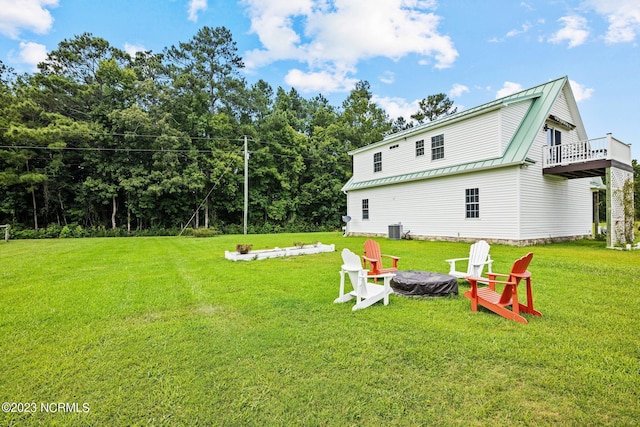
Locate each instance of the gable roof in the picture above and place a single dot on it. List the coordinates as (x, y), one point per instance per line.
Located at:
(542, 98)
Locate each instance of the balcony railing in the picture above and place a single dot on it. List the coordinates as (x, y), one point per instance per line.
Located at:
(605, 148)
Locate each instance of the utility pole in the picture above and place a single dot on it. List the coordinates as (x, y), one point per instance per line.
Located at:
(246, 184)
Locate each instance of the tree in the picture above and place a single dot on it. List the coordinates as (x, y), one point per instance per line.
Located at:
(74, 79)
(206, 69)
(103, 139)
(636, 182)
(329, 166)
(363, 121)
(400, 124)
(259, 102)
(434, 107)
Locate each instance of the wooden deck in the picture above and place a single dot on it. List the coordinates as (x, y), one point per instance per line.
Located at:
(586, 158)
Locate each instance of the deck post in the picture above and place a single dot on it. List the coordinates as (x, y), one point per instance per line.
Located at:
(617, 212)
(610, 231)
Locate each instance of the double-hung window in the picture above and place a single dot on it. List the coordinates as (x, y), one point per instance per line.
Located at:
(472, 203)
(377, 162)
(437, 147)
(365, 208)
(420, 148)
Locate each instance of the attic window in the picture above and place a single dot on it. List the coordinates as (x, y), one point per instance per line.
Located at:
(377, 162)
(555, 120)
(437, 147)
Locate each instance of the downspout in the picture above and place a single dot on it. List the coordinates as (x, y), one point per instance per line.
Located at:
(519, 200)
(346, 227)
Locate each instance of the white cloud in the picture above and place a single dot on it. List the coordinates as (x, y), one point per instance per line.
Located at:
(623, 17)
(32, 53)
(30, 15)
(575, 31)
(457, 90)
(388, 77)
(338, 34)
(527, 6)
(580, 93)
(132, 49)
(525, 27)
(397, 107)
(319, 81)
(194, 7)
(509, 88)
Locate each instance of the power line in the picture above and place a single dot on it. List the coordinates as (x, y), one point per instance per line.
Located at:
(227, 169)
(142, 150)
(153, 150)
(135, 135)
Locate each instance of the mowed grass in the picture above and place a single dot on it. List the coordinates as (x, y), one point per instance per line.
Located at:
(165, 331)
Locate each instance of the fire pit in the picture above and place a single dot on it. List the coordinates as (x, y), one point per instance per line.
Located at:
(424, 283)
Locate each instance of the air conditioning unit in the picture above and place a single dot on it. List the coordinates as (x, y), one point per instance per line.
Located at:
(395, 231)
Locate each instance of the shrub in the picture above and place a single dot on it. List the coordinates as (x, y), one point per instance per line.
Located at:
(204, 232)
(243, 248)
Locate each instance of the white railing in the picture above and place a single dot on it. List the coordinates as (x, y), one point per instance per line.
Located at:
(605, 148)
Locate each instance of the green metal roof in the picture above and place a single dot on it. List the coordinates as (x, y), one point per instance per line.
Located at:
(542, 96)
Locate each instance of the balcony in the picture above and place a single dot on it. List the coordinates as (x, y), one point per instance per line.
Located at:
(586, 158)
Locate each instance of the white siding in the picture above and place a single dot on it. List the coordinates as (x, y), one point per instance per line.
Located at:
(515, 204)
(510, 118)
(436, 207)
(561, 110)
(553, 206)
(466, 141)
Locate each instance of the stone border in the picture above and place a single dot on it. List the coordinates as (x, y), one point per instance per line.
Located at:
(510, 242)
(279, 252)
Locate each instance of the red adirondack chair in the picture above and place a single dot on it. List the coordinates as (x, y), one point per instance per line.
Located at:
(373, 257)
(498, 302)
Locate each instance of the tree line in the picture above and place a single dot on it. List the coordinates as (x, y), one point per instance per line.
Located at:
(100, 140)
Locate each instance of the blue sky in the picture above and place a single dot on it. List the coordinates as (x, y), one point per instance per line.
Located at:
(474, 51)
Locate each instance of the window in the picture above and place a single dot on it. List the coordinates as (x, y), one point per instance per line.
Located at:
(554, 137)
(420, 148)
(365, 208)
(437, 147)
(472, 203)
(394, 146)
(377, 162)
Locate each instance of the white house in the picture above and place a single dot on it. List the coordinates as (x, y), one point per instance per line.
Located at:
(516, 170)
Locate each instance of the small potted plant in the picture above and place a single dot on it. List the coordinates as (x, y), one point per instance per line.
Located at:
(243, 248)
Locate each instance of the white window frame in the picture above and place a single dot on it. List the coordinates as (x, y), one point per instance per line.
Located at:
(377, 162)
(437, 147)
(472, 203)
(365, 209)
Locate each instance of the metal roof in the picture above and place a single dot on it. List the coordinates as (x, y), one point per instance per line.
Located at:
(542, 96)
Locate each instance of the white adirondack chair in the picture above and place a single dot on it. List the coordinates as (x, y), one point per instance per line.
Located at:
(478, 258)
(365, 292)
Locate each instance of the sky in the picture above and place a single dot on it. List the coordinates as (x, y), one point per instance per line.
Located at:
(473, 51)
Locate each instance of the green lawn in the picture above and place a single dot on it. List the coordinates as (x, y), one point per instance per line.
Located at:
(165, 331)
